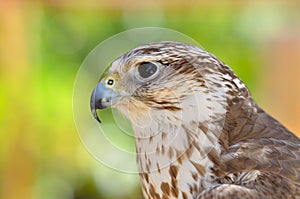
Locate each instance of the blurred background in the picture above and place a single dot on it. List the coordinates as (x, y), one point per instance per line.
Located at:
(43, 43)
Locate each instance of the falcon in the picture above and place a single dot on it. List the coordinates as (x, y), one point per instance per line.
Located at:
(199, 134)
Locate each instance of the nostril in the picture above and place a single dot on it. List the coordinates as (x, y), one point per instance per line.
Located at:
(105, 100)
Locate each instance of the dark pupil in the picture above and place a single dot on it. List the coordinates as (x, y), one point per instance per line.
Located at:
(110, 82)
(147, 69)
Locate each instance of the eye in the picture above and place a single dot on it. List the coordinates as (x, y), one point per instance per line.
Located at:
(110, 82)
(147, 69)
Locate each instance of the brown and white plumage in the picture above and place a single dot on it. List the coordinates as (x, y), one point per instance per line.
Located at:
(199, 134)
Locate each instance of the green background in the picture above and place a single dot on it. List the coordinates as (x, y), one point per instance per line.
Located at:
(43, 44)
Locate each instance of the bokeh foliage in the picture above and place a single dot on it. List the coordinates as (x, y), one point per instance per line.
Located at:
(43, 44)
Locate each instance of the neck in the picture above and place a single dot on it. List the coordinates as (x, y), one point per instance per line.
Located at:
(170, 159)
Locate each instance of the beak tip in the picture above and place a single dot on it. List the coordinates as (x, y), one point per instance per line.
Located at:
(93, 107)
(94, 112)
(98, 120)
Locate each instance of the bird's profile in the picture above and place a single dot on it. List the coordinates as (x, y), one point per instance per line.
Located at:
(199, 134)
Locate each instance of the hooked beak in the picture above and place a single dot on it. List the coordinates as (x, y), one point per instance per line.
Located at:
(102, 97)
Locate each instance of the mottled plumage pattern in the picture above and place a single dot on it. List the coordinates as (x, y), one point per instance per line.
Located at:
(199, 134)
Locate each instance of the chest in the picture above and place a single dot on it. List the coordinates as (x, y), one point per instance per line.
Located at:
(176, 161)
(174, 173)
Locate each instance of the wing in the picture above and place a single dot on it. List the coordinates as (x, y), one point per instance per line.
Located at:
(259, 144)
(276, 162)
(267, 185)
(228, 191)
(279, 157)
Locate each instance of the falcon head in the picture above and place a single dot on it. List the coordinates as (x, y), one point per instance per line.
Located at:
(167, 82)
